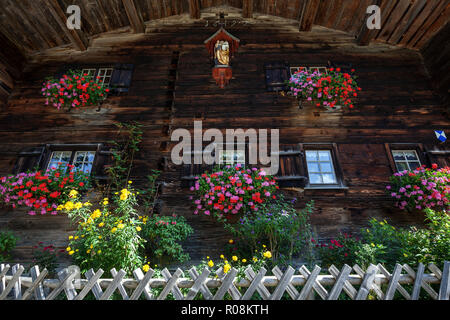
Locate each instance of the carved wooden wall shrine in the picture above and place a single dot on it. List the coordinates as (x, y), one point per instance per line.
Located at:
(221, 46)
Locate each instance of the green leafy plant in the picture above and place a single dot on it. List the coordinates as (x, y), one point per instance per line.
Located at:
(163, 235)
(286, 231)
(8, 242)
(149, 196)
(124, 151)
(108, 237)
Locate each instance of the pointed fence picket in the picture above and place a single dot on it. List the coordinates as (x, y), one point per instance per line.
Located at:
(374, 282)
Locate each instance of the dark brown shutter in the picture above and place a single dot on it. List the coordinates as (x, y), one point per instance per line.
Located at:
(440, 156)
(30, 159)
(190, 171)
(277, 73)
(291, 172)
(121, 78)
(103, 159)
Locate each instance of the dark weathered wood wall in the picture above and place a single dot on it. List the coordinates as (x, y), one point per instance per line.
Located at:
(397, 105)
(437, 59)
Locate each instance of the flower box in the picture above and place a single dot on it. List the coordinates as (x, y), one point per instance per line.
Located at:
(332, 90)
(74, 90)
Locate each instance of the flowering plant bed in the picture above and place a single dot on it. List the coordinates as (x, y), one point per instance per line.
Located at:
(233, 190)
(42, 192)
(422, 188)
(73, 90)
(328, 90)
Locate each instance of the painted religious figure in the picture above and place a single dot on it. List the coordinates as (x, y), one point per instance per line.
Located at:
(222, 53)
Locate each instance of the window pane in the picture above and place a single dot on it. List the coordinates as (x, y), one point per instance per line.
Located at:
(84, 161)
(59, 159)
(324, 155)
(315, 178)
(401, 166)
(411, 156)
(329, 178)
(326, 167)
(414, 165)
(398, 155)
(311, 156)
(313, 167)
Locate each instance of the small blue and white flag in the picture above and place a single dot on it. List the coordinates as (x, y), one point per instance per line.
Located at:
(440, 134)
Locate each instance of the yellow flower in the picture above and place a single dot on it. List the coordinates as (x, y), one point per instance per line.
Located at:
(120, 226)
(87, 204)
(68, 249)
(130, 182)
(92, 246)
(71, 252)
(230, 241)
(368, 231)
(69, 205)
(96, 214)
(226, 268)
(255, 259)
(99, 237)
(70, 237)
(138, 229)
(210, 264)
(113, 230)
(60, 207)
(222, 256)
(73, 193)
(405, 255)
(101, 224)
(146, 268)
(124, 193)
(382, 223)
(76, 237)
(234, 258)
(88, 251)
(105, 199)
(244, 260)
(207, 257)
(99, 251)
(372, 244)
(264, 245)
(105, 203)
(78, 205)
(267, 254)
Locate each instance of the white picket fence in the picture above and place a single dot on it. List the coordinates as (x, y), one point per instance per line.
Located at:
(375, 282)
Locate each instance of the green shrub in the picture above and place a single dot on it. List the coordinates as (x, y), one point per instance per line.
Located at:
(107, 238)
(8, 242)
(284, 230)
(163, 235)
(45, 257)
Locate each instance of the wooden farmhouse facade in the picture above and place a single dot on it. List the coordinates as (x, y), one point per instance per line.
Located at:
(154, 53)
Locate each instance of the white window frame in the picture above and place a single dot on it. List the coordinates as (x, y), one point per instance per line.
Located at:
(102, 73)
(320, 172)
(73, 160)
(59, 160)
(406, 160)
(293, 70)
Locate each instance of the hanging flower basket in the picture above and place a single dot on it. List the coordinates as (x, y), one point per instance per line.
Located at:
(331, 90)
(74, 90)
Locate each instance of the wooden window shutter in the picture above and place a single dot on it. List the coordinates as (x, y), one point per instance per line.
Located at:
(277, 73)
(190, 171)
(121, 78)
(30, 159)
(440, 156)
(103, 159)
(291, 172)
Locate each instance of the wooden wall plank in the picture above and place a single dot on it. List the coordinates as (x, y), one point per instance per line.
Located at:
(134, 16)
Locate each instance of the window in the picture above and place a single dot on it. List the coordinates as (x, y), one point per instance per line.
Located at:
(320, 167)
(406, 159)
(104, 75)
(59, 158)
(81, 160)
(232, 157)
(293, 70)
